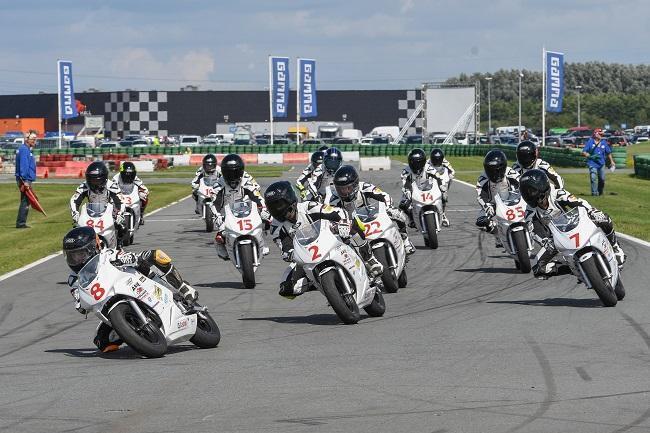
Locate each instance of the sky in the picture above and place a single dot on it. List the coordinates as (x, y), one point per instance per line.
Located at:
(358, 44)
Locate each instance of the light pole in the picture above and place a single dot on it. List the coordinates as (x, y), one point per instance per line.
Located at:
(521, 75)
(488, 79)
(578, 89)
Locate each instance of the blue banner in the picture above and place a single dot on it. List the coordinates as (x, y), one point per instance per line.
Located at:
(307, 87)
(554, 81)
(68, 105)
(280, 86)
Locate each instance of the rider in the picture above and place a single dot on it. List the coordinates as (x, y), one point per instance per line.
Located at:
(351, 195)
(288, 215)
(528, 159)
(323, 175)
(437, 166)
(208, 168)
(98, 189)
(128, 175)
(315, 161)
(414, 172)
(235, 184)
(82, 244)
(545, 203)
(496, 178)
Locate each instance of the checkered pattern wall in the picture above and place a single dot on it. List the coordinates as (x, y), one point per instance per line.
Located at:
(134, 112)
(406, 107)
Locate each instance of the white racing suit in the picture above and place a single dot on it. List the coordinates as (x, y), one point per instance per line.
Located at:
(106, 339)
(302, 183)
(294, 282)
(143, 192)
(200, 174)
(368, 191)
(408, 178)
(318, 182)
(111, 194)
(486, 191)
(540, 164)
(438, 173)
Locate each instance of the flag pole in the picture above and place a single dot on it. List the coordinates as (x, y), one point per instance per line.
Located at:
(271, 96)
(58, 98)
(298, 101)
(544, 95)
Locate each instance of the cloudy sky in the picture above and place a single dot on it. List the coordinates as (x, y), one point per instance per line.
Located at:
(358, 44)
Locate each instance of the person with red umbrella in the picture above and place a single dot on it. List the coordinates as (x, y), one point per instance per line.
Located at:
(25, 175)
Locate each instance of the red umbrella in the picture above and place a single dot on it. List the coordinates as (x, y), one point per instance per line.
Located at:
(31, 196)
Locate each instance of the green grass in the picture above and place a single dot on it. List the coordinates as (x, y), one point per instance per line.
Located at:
(188, 171)
(636, 149)
(20, 247)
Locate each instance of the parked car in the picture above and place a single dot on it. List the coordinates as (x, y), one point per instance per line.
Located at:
(307, 141)
(344, 140)
(211, 139)
(554, 140)
(617, 140)
(262, 141)
(414, 139)
(78, 144)
(189, 140)
(109, 144)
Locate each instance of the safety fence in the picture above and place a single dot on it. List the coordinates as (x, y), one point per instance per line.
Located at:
(642, 166)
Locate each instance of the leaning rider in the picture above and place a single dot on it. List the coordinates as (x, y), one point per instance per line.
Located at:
(316, 160)
(322, 177)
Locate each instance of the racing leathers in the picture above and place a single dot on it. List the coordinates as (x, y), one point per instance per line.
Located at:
(486, 190)
(439, 174)
(196, 182)
(302, 183)
(143, 193)
(540, 164)
(294, 282)
(111, 194)
(561, 201)
(106, 339)
(367, 191)
(318, 183)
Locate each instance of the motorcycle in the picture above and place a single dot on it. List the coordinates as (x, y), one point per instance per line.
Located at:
(512, 229)
(337, 271)
(387, 244)
(585, 248)
(205, 196)
(144, 311)
(131, 199)
(99, 216)
(244, 238)
(426, 201)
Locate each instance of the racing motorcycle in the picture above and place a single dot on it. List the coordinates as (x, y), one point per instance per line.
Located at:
(387, 244)
(99, 216)
(131, 200)
(512, 229)
(337, 271)
(585, 248)
(144, 311)
(426, 200)
(244, 238)
(205, 197)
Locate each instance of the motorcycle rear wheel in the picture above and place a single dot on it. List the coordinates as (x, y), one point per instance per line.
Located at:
(246, 262)
(377, 307)
(403, 279)
(519, 239)
(602, 288)
(348, 311)
(430, 234)
(388, 277)
(619, 289)
(147, 340)
(207, 333)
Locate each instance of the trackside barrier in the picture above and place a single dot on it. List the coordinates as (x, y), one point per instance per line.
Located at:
(270, 158)
(144, 166)
(296, 158)
(180, 159)
(374, 163)
(351, 156)
(642, 166)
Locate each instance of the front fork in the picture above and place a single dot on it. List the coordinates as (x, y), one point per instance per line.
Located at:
(256, 259)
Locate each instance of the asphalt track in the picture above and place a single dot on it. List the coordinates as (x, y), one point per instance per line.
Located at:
(470, 345)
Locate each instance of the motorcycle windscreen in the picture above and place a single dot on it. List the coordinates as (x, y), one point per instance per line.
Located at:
(367, 213)
(88, 273)
(567, 221)
(96, 210)
(127, 188)
(211, 180)
(241, 209)
(510, 198)
(306, 235)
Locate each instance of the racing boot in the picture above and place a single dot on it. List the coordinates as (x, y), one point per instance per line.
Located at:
(544, 266)
(290, 289)
(188, 292)
(174, 278)
(220, 246)
(408, 245)
(616, 248)
(106, 339)
(373, 266)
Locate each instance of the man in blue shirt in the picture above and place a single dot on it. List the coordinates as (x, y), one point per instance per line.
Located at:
(25, 175)
(596, 150)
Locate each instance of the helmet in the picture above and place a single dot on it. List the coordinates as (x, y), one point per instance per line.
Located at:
(495, 164)
(526, 153)
(128, 172)
(332, 159)
(346, 182)
(317, 158)
(281, 200)
(417, 159)
(534, 187)
(323, 148)
(437, 156)
(97, 176)
(232, 169)
(209, 163)
(80, 245)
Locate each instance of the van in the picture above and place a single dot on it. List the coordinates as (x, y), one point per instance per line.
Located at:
(190, 140)
(392, 132)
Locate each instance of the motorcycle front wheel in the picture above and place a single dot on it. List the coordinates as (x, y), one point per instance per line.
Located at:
(207, 333)
(519, 239)
(388, 276)
(377, 307)
(430, 234)
(247, 265)
(146, 339)
(602, 288)
(209, 219)
(344, 306)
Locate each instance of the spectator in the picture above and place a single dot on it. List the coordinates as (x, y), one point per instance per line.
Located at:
(25, 175)
(596, 150)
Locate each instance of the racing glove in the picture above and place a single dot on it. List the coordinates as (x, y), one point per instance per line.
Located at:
(265, 214)
(343, 230)
(287, 256)
(77, 301)
(489, 211)
(75, 217)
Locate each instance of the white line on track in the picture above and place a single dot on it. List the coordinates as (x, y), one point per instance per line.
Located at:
(177, 219)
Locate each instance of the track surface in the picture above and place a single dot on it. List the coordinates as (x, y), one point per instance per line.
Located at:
(470, 345)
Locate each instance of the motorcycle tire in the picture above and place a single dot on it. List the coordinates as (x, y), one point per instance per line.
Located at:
(430, 234)
(346, 309)
(377, 307)
(519, 240)
(388, 277)
(246, 263)
(402, 281)
(207, 333)
(126, 241)
(619, 289)
(602, 288)
(209, 219)
(148, 341)
(131, 238)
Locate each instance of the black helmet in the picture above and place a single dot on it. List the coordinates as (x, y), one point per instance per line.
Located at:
(534, 187)
(526, 153)
(437, 156)
(332, 159)
(323, 148)
(281, 200)
(96, 176)
(317, 158)
(417, 159)
(209, 163)
(128, 172)
(232, 169)
(80, 245)
(495, 165)
(346, 182)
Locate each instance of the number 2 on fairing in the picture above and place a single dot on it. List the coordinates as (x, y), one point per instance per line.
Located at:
(372, 228)
(313, 249)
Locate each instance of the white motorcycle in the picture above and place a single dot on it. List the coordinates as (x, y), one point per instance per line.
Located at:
(244, 236)
(99, 216)
(205, 203)
(143, 311)
(585, 248)
(337, 271)
(512, 229)
(426, 202)
(131, 200)
(387, 244)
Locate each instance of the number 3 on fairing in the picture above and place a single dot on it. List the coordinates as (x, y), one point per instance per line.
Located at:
(314, 252)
